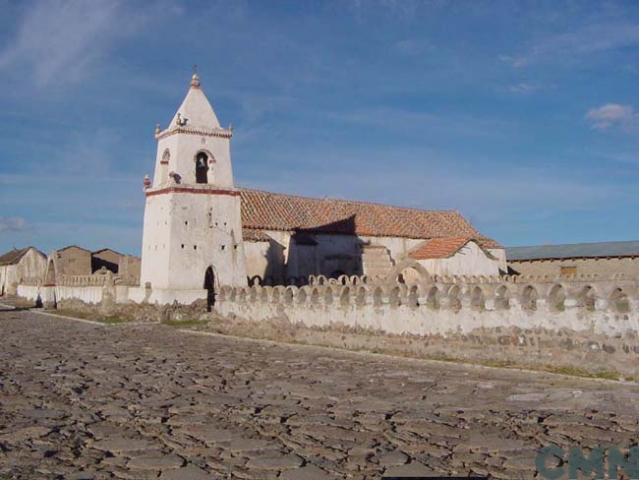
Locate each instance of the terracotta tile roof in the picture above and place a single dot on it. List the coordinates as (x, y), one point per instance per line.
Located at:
(276, 211)
(253, 235)
(12, 257)
(438, 248)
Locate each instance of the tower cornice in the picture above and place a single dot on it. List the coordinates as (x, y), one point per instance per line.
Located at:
(200, 189)
(200, 132)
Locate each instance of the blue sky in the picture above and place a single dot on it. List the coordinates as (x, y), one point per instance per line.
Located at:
(522, 115)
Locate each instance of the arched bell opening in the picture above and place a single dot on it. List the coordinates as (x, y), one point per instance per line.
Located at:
(201, 168)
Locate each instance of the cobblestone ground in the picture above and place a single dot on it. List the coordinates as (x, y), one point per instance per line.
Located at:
(138, 402)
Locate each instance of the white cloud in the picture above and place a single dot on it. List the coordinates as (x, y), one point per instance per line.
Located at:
(611, 114)
(493, 193)
(590, 39)
(516, 62)
(524, 88)
(12, 224)
(410, 47)
(82, 153)
(401, 9)
(59, 42)
(581, 43)
(397, 119)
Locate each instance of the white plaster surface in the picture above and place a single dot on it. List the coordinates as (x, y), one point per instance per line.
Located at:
(29, 269)
(195, 226)
(423, 320)
(469, 260)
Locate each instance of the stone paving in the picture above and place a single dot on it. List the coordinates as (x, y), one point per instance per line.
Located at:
(83, 401)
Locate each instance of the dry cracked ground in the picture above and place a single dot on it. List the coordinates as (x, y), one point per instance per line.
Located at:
(88, 401)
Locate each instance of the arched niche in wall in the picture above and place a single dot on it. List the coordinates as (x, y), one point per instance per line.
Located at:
(587, 298)
(529, 298)
(619, 301)
(164, 166)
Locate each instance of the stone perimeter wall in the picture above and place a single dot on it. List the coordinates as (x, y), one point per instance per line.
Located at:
(583, 322)
(434, 305)
(447, 305)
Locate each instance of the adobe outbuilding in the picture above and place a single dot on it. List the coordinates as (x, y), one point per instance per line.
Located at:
(603, 258)
(21, 266)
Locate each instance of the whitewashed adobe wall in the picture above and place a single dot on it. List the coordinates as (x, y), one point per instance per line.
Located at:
(186, 233)
(86, 294)
(447, 305)
(92, 289)
(469, 260)
(192, 220)
(28, 270)
(279, 258)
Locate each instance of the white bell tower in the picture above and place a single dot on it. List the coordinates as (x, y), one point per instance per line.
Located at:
(192, 238)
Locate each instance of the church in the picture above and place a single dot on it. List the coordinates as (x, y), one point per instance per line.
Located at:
(201, 231)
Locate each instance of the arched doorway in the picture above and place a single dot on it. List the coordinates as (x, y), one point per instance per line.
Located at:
(201, 168)
(209, 286)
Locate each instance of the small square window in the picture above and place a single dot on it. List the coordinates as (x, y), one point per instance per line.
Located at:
(182, 246)
(223, 247)
(194, 247)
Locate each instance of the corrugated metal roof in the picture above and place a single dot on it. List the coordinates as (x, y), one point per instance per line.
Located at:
(574, 250)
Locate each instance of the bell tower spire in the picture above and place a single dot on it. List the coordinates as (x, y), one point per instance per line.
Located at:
(195, 79)
(198, 147)
(192, 218)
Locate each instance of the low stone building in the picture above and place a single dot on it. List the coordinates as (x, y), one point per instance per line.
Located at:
(21, 266)
(105, 258)
(71, 260)
(604, 258)
(129, 269)
(74, 261)
(126, 266)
